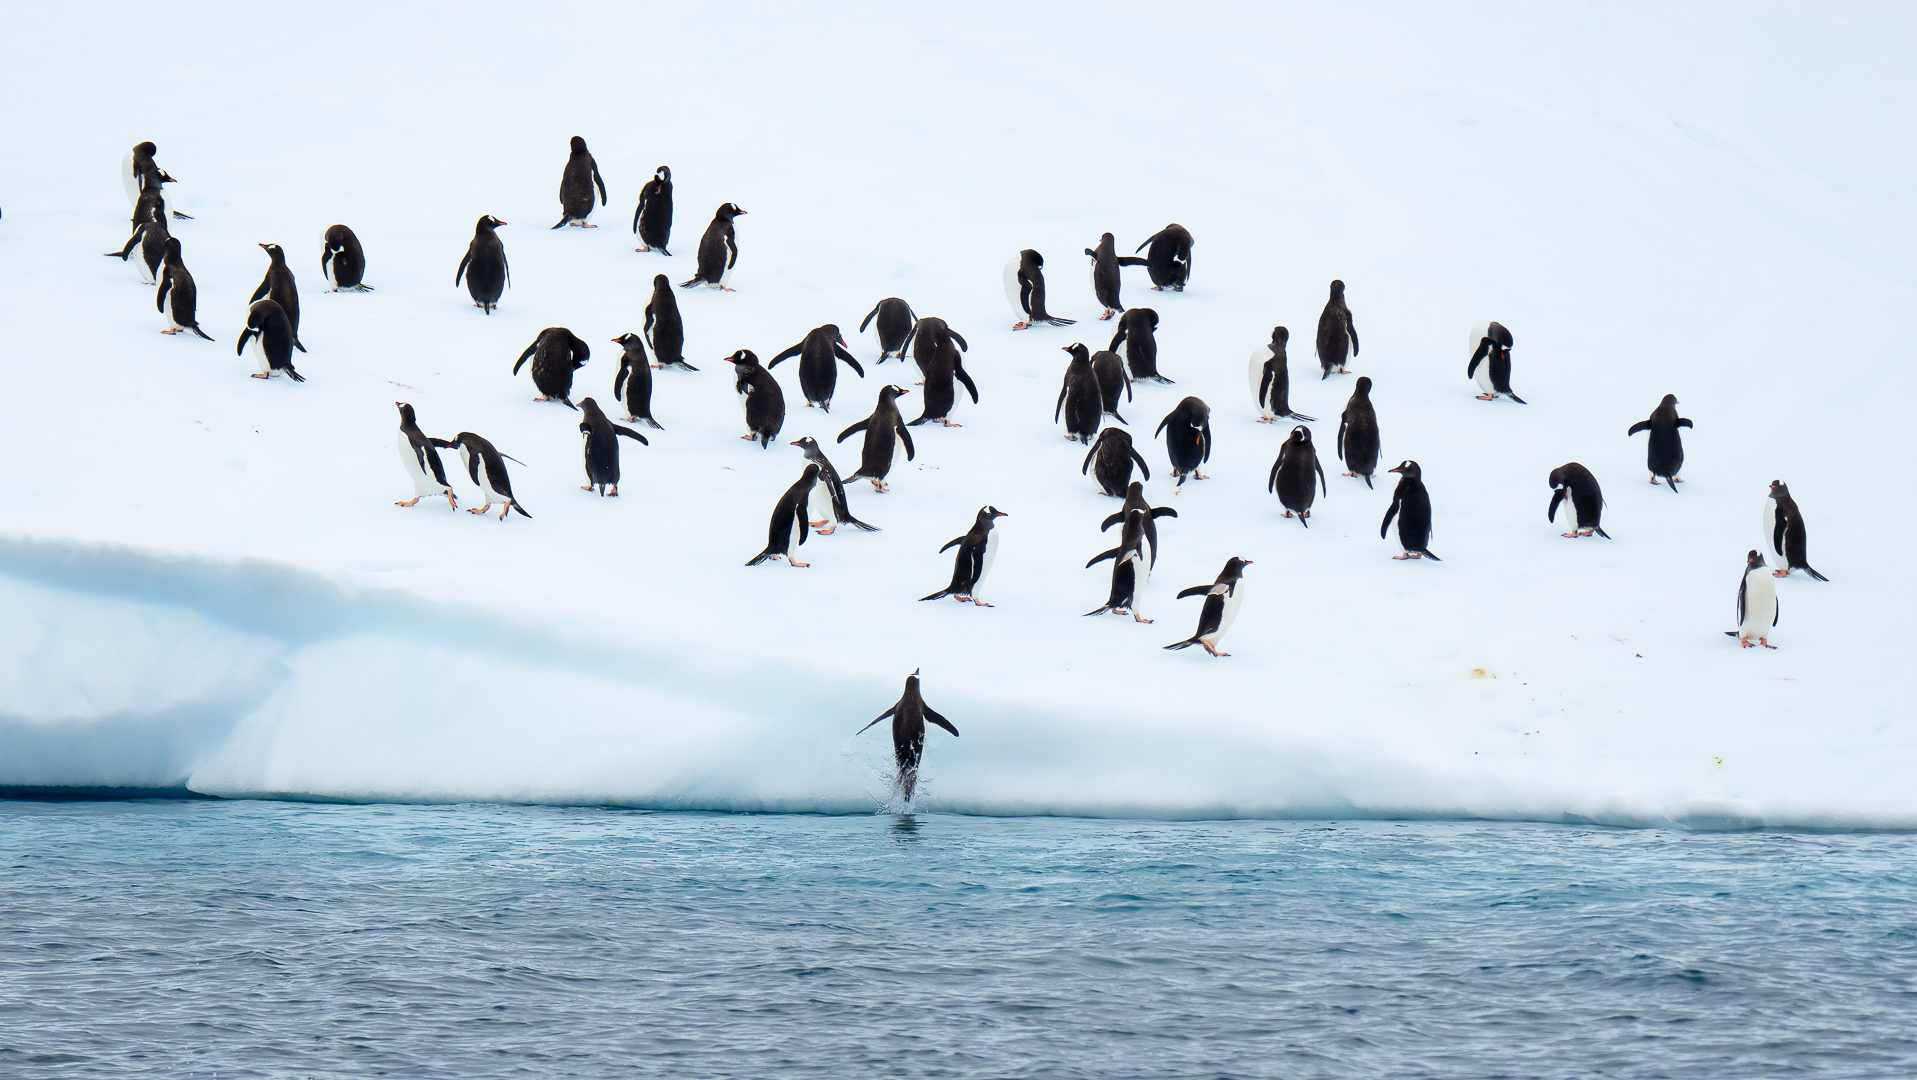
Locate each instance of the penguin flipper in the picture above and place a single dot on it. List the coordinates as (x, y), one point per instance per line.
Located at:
(159, 294)
(848, 433)
(889, 711)
(1111, 521)
(1133, 260)
(1389, 514)
(523, 357)
(950, 544)
(619, 380)
(618, 429)
(1641, 425)
(1147, 469)
(906, 437)
(1101, 557)
(1557, 497)
(869, 316)
(1195, 590)
(850, 361)
(958, 372)
(261, 291)
(1682, 422)
(1089, 455)
(941, 721)
(788, 354)
(1159, 512)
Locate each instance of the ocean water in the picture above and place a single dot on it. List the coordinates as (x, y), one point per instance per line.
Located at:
(259, 939)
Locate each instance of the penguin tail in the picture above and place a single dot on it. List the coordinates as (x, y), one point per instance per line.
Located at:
(651, 423)
(762, 556)
(1814, 574)
(856, 523)
(294, 375)
(1430, 556)
(690, 284)
(1302, 416)
(1601, 532)
(1100, 611)
(923, 599)
(1671, 482)
(1517, 399)
(562, 222)
(1185, 644)
(182, 217)
(1730, 633)
(196, 329)
(1368, 486)
(297, 345)
(520, 510)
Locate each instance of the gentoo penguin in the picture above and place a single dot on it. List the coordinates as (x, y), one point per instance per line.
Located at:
(635, 380)
(1491, 362)
(946, 367)
(927, 339)
(819, 354)
(1574, 482)
(1169, 260)
(1131, 567)
(479, 455)
(484, 266)
(1337, 334)
(176, 296)
(575, 186)
(150, 237)
(1291, 475)
(787, 530)
(652, 218)
(1412, 505)
(977, 548)
(1358, 432)
(1665, 455)
(884, 430)
(1079, 400)
(1113, 380)
(1787, 534)
(555, 354)
(1187, 430)
(1222, 598)
(718, 251)
(1756, 604)
(140, 174)
(343, 261)
(759, 396)
(151, 207)
(895, 326)
(279, 284)
(1137, 331)
(664, 331)
(601, 437)
(419, 455)
(272, 340)
(1270, 376)
(1025, 291)
(1135, 500)
(828, 509)
(1114, 454)
(908, 733)
(1105, 266)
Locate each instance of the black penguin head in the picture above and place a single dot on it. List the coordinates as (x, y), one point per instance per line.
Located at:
(1779, 490)
(1753, 561)
(806, 443)
(659, 281)
(578, 145)
(987, 513)
(1029, 258)
(145, 149)
(1408, 468)
(405, 412)
(833, 329)
(1337, 288)
(1197, 413)
(887, 393)
(488, 223)
(1280, 335)
(589, 407)
(1301, 434)
(1234, 568)
(730, 211)
(628, 339)
(743, 358)
(274, 252)
(1363, 386)
(811, 473)
(172, 251)
(1137, 490)
(1078, 351)
(1560, 476)
(1669, 399)
(662, 173)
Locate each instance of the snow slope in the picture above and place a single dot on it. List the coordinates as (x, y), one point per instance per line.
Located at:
(208, 585)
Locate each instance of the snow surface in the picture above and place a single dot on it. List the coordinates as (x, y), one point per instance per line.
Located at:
(206, 583)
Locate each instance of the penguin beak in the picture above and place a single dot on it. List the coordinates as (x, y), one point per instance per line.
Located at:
(1397, 470)
(797, 442)
(262, 247)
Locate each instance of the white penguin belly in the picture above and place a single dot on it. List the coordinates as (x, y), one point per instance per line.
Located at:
(257, 351)
(819, 506)
(1769, 546)
(725, 277)
(331, 277)
(423, 482)
(127, 178)
(1144, 567)
(1232, 599)
(1484, 377)
(1760, 604)
(1478, 334)
(171, 322)
(1255, 374)
(798, 535)
(985, 562)
(1012, 289)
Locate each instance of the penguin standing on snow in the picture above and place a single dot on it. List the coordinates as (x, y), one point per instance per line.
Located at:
(828, 509)
(1337, 334)
(150, 236)
(787, 530)
(1025, 291)
(1665, 455)
(601, 437)
(884, 430)
(556, 353)
(1412, 505)
(1113, 454)
(1756, 604)
(272, 339)
(819, 353)
(1169, 260)
(279, 284)
(1270, 377)
(141, 175)
(927, 339)
(1131, 568)
(759, 396)
(419, 456)
(1358, 442)
(718, 251)
(947, 367)
(1491, 362)
(343, 261)
(1137, 330)
(1787, 534)
(487, 466)
(575, 187)
(896, 322)
(665, 332)
(177, 295)
(1574, 482)
(1222, 598)
(1135, 500)
(652, 218)
(484, 266)
(1291, 475)
(1079, 400)
(1187, 431)
(635, 379)
(1106, 262)
(1113, 381)
(908, 733)
(977, 548)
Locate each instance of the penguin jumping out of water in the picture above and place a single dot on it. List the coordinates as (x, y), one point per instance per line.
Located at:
(1412, 506)
(1291, 475)
(1358, 443)
(487, 466)
(1665, 455)
(1222, 598)
(1337, 334)
(896, 323)
(1137, 331)
(1270, 378)
(718, 251)
(635, 379)
(1106, 262)
(150, 237)
(828, 509)
(484, 266)
(946, 368)
(343, 261)
(1114, 454)
(1187, 431)
(555, 354)
(1025, 291)
(1135, 500)
(664, 330)
(575, 187)
(819, 354)
(177, 295)
(272, 339)
(601, 437)
(787, 530)
(652, 218)
(759, 396)
(1574, 482)
(1788, 538)
(884, 430)
(977, 548)
(909, 717)
(1113, 381)
(1169, 260)
(1080, 401)
(1756, 604)
(1491, 362)
(279, 284)
(419, 455)
(1131, 568)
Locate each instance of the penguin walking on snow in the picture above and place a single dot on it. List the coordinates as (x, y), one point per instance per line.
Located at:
(1106, 262)
(576, 184)
(1270, 378)
(1337, 334)
(1113, 381)
(977, 548)
(1131, 568)
(343, 261)
(1169, 260)
(909, 717)
(555, 354)
(819, 354)
(484, 266)
(947, 367)
(150, 237)
(1080, 401)
(896, 323)
(884, 430)
(927, 339)
(177, 295)
(487, 466)
(1135, 500)
(1222, 598)
(419, 456)
(1358, 442)
(828, 509)
(1114, 454)
(718, 251)
(1665, 455)
(664, 330)
(1025, 291)
(759, 396)
(1786, 533)
(1137, 331)
(788, 528)
(602, 437)
(272, 339)
(279, 284)
(1491, 362)
(1291, 475)
(652, 218)
(1574, 482)
(1187, 431)
(1412, 505)
(1756, 604)
(635, 379)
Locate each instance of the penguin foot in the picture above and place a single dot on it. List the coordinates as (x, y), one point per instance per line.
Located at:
(1199, 476)
(169, 332)
(1287, 513)
(1021, 326)
(1653, 479)
(452, 500)
(880, 487)
(1108, 314)
(475, 510)
(1211, 650)
(963, 599)
(408, 502)
(542, 399)
(982, 603)
(1780, 573)
(1344, 371)
(585, 487)
(728, 288)
(817, 524)
(1178, 288)
(585, 225)
(1766, 642)
(261, 375)
(504, 510)
(1158, 288)
(828, 532)
(794, 562)
(1487, 397)
(1406, 555)
(1136, 617)
(1571, 535)
(748, 437)
(948, 423)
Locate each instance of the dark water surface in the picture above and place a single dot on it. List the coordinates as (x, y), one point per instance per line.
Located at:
(252, 939)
